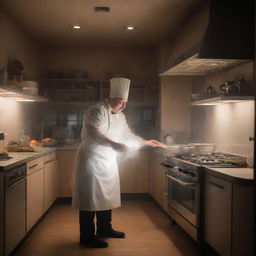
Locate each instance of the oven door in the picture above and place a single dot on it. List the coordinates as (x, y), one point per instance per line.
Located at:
(183, 197)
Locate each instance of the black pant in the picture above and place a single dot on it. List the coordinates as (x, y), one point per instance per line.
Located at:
(87, 226)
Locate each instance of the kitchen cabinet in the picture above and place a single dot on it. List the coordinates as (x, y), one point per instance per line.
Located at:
(217, 213)
(66, 170)
(50, 180)
(156, 178)
(134, 173)
(228, 216)
(35, 191)
(134, 176)
(243, 232)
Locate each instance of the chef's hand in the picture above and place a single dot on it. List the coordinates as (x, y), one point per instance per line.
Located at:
(119, 147)
(154, 143)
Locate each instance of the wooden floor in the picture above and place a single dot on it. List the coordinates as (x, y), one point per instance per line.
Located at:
(147, 227)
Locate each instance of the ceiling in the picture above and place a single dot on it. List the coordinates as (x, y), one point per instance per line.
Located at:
(50, 21)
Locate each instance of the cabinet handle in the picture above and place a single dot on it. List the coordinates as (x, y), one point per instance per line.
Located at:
(215, 184)
(32, 166)
(48, 161)
(186, 184)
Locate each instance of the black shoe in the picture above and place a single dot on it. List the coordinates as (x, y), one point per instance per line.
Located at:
(94, 243)
(111, 233)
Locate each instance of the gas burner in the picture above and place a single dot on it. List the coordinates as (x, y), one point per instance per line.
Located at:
(216, 159)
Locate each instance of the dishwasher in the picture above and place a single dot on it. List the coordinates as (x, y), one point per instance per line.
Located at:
(15, 207)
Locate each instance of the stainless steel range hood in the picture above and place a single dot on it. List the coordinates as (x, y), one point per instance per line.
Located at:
(228, 41)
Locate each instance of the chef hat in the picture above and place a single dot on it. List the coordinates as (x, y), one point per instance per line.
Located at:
(119, 87)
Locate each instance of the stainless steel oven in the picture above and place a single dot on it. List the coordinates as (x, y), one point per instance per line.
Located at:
(183, 192)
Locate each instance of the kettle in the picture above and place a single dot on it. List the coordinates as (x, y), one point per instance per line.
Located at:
(230, 87)
(210, 90)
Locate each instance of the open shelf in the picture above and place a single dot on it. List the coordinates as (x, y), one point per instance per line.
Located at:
(9, 92)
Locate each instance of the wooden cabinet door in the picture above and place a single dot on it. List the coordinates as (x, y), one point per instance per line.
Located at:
(142, 172)
(35, 197)
(56, 178)
(66, 170)
(49, 184)
(218, 218)
(133, 173)
(127, 174)
(155, 177)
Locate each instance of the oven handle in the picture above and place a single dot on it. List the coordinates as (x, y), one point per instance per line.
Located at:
(186, 184)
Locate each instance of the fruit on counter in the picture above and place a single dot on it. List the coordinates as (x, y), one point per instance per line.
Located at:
(19, 146)
(48, 139)
(48, 142)
(34, 142)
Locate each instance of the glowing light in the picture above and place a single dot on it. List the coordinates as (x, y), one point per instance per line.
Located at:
(130, 28)
(76, 27)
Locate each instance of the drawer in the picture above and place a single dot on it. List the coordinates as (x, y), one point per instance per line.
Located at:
(35, 165)
(49, 157)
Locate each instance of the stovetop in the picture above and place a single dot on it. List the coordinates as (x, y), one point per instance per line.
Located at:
(216, 159)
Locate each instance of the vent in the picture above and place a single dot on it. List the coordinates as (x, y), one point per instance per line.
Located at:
(101, 9)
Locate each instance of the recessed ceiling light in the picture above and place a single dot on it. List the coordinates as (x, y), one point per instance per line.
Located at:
(130, 28)
(76, 27)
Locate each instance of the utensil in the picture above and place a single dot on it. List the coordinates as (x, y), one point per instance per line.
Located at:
(230, 87)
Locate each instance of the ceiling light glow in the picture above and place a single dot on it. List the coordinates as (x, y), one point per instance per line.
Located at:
(76, 27)
(130, 28)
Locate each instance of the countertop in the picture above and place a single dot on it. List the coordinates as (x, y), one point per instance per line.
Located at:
(235, 175)
(19, 158)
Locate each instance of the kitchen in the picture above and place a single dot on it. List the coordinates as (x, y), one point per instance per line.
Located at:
(60, 59)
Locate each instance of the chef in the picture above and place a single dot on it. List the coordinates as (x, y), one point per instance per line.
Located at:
(96, 179)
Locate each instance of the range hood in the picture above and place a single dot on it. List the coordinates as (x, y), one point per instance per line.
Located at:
(228, 41)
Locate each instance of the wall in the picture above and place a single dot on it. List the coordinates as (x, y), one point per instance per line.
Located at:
(17, 116)
(16, 44)
(175, 95)
(99, 63)
(229, 126)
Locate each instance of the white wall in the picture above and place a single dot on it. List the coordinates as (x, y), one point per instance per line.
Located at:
(229, 126)
(15, 43)
(175, 94)
(11, 121)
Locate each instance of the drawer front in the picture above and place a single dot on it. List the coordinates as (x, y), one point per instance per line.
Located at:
(35, 165)
(49, 157)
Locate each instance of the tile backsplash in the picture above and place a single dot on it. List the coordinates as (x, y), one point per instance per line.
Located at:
(63, 122)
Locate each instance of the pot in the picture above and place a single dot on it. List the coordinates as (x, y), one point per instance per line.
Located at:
(179, 149)
(203, 147)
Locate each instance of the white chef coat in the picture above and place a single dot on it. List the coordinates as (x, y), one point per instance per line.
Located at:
(96, 176)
